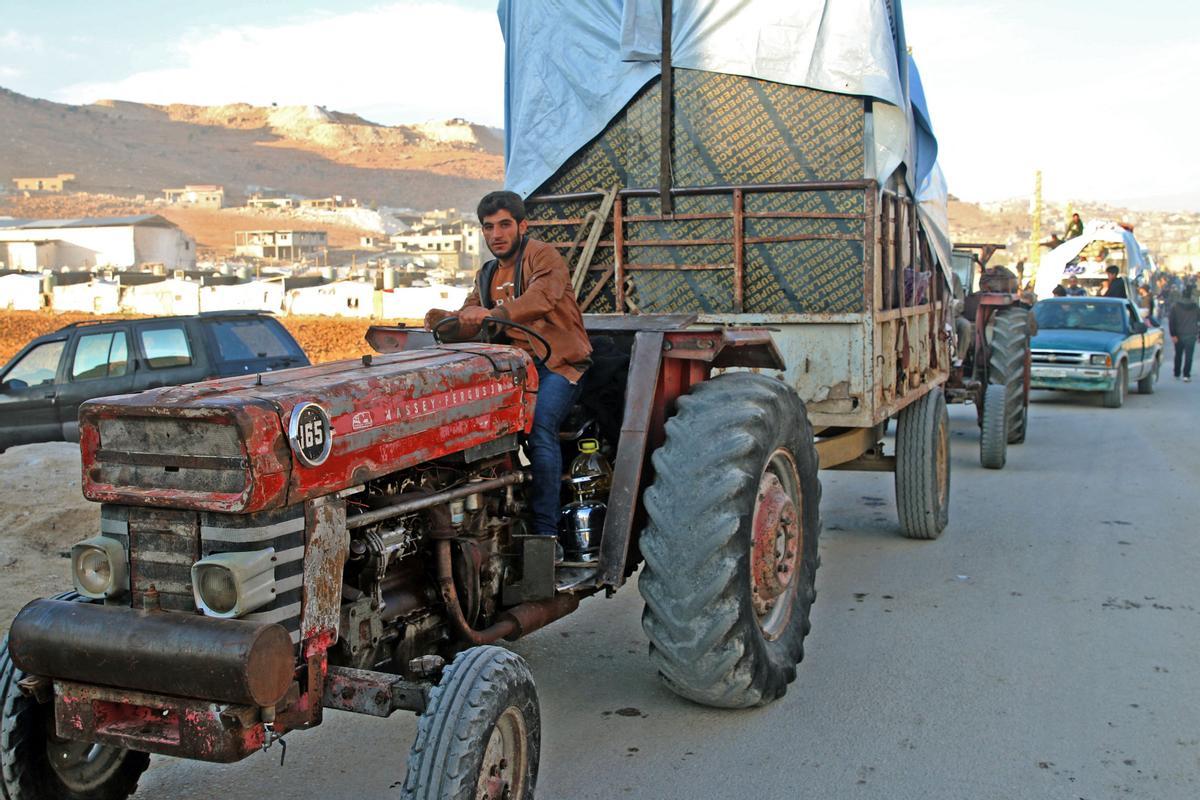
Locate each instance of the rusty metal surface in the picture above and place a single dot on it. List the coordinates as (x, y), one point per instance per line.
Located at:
(397, 411)
(845, 447)
(624, 323)
(324, 557)
(377, 694)
(152, 723)
(233, 661)
(624, 498)
(397, 338)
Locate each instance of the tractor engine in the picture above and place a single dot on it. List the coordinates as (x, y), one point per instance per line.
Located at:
(369, 512)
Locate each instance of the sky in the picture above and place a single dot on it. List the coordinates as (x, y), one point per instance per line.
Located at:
(1098, 94)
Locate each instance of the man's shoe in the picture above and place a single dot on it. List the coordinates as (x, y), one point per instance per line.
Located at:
(1186, 379)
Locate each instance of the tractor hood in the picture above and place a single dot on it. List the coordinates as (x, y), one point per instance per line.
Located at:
(251, 443)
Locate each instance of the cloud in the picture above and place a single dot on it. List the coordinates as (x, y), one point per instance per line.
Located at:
(8, 73)
(14, 41)
(1099, 114)
(405, 61)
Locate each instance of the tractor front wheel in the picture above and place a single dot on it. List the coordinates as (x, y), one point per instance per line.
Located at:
(480, 737)
(993, 434)
(731, 543)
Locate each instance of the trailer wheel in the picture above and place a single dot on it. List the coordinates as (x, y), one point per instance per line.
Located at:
(993, 434)
(731, 542)
(923, 467)
(1006, 366)
(481, 735)
(37, 765)
(1115, 397)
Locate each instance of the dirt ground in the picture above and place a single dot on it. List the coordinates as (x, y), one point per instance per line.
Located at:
(42, 513)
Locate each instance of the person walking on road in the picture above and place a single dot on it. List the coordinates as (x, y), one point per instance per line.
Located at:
(1184, 324)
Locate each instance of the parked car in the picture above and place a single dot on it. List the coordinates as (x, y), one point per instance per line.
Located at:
(42, 387)
(1095, 344)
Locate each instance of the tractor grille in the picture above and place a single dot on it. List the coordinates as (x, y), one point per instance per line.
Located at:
(1062, 358)
(164, 544)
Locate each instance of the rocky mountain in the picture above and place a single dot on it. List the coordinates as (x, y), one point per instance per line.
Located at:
(123, 148)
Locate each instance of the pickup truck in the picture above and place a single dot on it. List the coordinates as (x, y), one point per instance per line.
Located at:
(43, 385)
(1095, 344)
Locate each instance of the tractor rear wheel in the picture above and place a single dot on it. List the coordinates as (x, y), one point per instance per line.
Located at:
(1006, 366)
(35, 764)
(993, 434)
(481, 735)
(923, 467)
(731, 542)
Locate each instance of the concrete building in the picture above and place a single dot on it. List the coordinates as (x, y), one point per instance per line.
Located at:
(204, 195)
(271, 202)
(54, 184)
(330, 203)
(95, 242)
(280, 244)
(454, 245)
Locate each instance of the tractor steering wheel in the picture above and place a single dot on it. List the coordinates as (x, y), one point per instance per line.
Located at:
(540, 361)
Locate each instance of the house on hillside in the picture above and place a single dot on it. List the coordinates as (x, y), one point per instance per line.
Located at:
(20, 291)
(264, 295)
(95, 242)
(413, 301)
(261, 202)
(287, 245)
(455, 245)
(54, 184)
(90, 296)
(330, 203)
(162, 298)
(337, 299)
(204, 195)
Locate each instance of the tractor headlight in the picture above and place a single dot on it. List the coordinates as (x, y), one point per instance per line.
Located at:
(232, 584)
(1099, 360)
(99, 567)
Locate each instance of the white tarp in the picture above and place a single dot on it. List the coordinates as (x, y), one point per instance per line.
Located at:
(251, 296)
(21, 292)
(1124, 250)
(570, 68)
(95, 297)
(167, 298)
(411, 302)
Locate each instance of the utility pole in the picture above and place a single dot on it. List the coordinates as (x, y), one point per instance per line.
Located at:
(1035, 228)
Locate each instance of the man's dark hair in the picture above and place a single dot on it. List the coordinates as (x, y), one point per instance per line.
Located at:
(501, 201)
(1113, 269)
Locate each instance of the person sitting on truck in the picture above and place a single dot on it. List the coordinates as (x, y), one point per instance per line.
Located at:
(1116, 284)
(527, 282)
(1073, 287)
(1075, 228)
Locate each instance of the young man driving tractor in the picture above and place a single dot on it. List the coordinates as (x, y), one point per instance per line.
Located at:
(527, 283)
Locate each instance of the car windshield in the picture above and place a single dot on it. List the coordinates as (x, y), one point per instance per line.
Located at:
(249, 339)
(1108, 317)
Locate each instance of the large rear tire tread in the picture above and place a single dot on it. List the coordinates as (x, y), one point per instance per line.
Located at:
(1006, 366)
(452, 735)
(993, 435)
(25, 770)
(922, 439)
(705, 637)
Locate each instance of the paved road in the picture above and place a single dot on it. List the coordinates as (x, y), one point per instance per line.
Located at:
(1045, 647)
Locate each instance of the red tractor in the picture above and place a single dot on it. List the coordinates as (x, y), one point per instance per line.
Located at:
(355, 536)
(992, 364)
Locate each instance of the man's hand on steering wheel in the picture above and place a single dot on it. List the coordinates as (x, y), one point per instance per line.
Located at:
(540, 360)
(473, 316)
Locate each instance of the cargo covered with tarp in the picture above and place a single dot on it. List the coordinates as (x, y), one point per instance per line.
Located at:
(784, 127)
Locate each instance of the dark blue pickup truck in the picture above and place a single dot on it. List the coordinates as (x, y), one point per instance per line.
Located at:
(42, 387)
(1094, 344)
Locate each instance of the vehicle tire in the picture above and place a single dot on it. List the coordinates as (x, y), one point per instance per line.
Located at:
(993, 434)
(730, 546)
(481, 734)
(36, 765)
(1115, 397)
(923, 467)
(1006, 366)
(1146, 384)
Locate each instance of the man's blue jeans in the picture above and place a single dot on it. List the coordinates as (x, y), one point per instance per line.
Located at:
(555, 397)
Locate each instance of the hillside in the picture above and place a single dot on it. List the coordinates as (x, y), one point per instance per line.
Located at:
(124, 148)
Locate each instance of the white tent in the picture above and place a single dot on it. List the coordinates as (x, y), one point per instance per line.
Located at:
(94, 297)
(337, 299)
(21, 292)
(412, 302)
(1123, 250)
(164, 298)
(251, 296)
